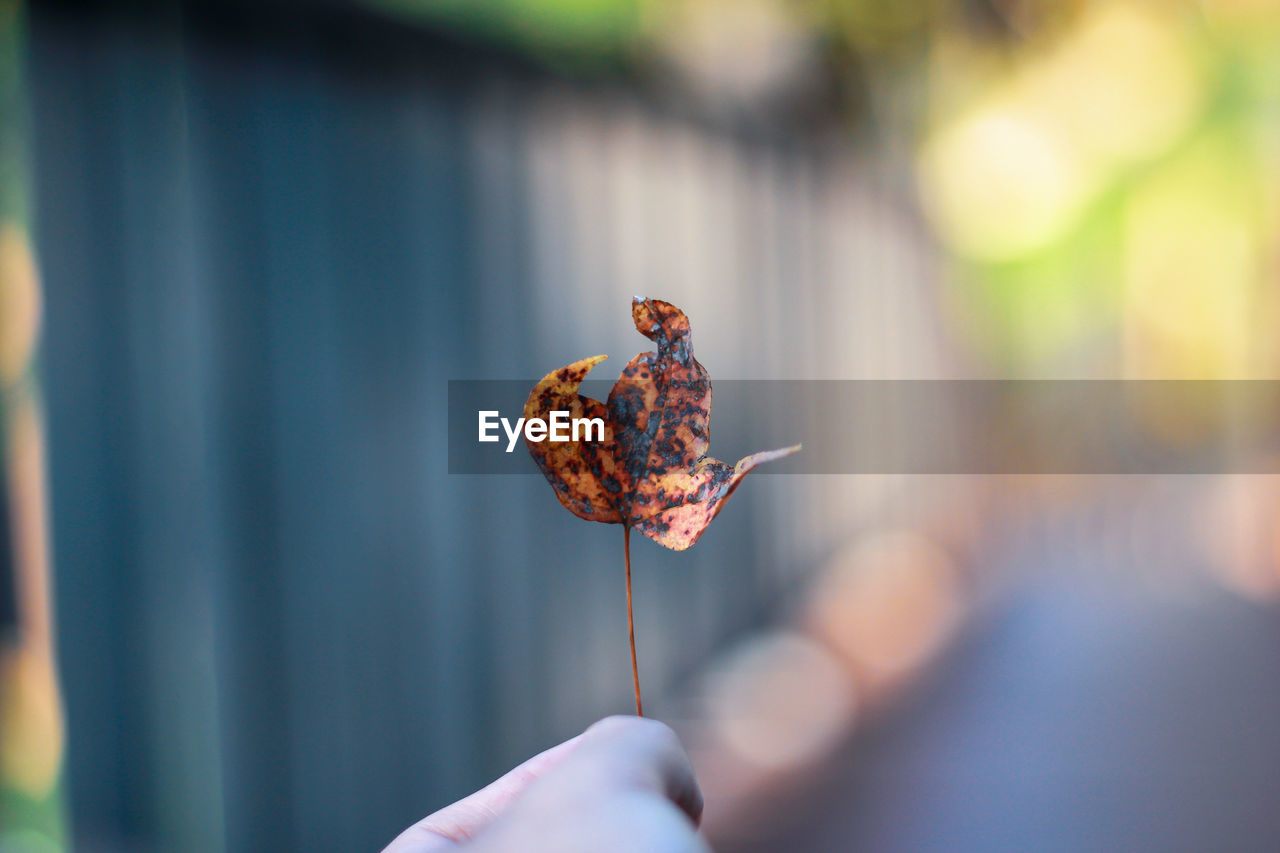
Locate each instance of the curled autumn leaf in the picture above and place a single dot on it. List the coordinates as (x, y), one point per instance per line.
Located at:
(650, 471)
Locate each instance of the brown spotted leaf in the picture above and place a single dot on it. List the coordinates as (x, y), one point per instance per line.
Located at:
(651, 471)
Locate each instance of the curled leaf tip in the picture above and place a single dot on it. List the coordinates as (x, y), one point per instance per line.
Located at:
(665, 325)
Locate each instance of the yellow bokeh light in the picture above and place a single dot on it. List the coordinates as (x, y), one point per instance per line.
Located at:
(1014, 172)
(1000, 184)
(32, 736)
(19, 303)
(1192, 267)
(1122, 87)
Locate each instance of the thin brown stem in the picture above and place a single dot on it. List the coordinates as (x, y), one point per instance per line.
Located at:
(631, 625)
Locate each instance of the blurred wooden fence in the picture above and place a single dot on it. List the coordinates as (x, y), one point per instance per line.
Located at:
(268, 241)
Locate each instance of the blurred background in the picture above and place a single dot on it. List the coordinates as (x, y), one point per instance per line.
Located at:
(244, 246)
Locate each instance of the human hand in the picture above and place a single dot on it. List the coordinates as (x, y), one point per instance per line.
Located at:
(623, 785)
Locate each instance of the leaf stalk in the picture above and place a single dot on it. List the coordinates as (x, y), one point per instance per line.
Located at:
(631, 625)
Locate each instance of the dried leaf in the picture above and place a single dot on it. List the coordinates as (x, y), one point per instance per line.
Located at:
(651, 471)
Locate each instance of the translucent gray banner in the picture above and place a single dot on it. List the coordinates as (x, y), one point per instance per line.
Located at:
(940, 427)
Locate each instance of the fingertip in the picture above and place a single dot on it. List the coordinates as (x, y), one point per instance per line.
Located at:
(645, 738)
(649, 751)
(628, 725)
(612, 724)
